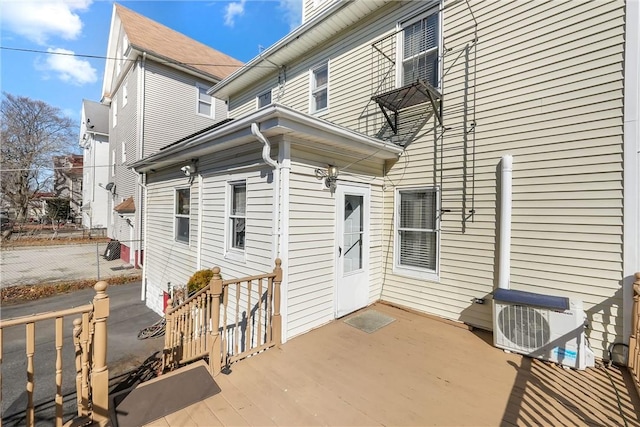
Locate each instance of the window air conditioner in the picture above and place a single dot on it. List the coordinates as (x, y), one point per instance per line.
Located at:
(541, 326)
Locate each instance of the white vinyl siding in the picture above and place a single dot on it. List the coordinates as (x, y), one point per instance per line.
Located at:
(168, 262)
(166, 122)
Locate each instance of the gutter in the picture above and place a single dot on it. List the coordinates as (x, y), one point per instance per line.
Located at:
(142, 178)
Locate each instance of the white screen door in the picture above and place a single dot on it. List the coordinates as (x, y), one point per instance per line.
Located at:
(352, 248)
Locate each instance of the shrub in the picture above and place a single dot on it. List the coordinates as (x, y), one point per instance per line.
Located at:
(199, 280)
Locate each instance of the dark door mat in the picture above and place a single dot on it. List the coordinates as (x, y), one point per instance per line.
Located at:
(369, 321)
(163, 396)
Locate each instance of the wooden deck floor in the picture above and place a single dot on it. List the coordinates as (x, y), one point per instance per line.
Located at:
(414, 371)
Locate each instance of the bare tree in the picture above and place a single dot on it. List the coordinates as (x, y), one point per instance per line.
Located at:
(32, 133)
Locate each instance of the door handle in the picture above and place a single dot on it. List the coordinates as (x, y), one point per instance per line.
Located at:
(339, 250)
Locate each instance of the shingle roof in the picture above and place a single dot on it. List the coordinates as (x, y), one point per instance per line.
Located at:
(147, 35)
(127, 206)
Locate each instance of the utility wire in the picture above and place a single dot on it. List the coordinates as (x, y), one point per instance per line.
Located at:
(45, 52)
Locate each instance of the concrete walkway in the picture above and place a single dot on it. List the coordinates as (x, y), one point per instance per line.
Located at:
(42, 264)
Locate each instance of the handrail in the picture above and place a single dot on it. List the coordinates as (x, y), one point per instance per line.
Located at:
(634, 340)
(90, 343)
(22, 320)
(210, 324)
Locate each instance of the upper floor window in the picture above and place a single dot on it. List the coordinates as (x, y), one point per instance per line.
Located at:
(182, 211)
(124, 152)
(237, 215)
(419, 43)
(320, 88)
(417, 232)
(205, 101)
(125, 93)
(114, 111)
(264, 99)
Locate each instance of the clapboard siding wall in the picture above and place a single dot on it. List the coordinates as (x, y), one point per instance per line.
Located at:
(171, 107)
(312, 238)
(549, 92)
(173, 262)
(122, 148)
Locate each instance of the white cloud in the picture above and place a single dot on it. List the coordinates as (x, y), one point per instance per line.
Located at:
(69, 68)
(292, 12)
(38, 20)
(232, 10)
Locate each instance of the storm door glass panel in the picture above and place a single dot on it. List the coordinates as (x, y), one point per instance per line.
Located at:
(353, 232)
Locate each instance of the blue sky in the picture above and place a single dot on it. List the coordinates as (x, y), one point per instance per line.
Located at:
(81, 27)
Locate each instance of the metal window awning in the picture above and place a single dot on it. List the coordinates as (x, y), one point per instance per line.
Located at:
(415, 93)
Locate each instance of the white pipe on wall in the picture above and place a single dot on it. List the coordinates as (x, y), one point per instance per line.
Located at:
(504, 259)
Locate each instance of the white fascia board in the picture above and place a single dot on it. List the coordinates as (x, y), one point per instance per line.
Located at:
(111, 53)
(307, 36)
(278, 117)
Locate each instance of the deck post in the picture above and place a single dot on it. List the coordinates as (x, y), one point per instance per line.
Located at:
(276, 322)
(634, 339)
(168, 356)
(100, 372)
(215, 349)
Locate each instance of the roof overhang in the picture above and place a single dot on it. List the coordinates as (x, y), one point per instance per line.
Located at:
(314, 33)
(274, 120)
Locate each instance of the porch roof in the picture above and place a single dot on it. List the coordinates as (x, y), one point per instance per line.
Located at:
(273, 120)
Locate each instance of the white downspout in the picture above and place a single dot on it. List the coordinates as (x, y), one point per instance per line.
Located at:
(200, 210)
(504, 259)
(142, 219)
(266, 156)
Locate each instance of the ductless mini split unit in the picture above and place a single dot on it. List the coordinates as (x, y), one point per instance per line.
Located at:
(541, 326)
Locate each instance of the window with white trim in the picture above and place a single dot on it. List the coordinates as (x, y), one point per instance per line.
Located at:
(237, 215)
(114, 110)
(320, 88)
(124, 152)
(113, 163)
(125, 93)
(205, 101)
(182, 211)
(264, 99)
(417, 231)
(419, 41)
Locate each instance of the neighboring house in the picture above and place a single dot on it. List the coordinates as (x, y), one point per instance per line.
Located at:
(67, 182)
(155, 83)
(38, 206)
(94, 139)
(411, 106)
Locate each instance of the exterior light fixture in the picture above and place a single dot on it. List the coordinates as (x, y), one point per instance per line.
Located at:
(330, 177)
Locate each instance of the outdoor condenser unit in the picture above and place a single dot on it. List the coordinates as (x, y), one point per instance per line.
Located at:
(541, 326)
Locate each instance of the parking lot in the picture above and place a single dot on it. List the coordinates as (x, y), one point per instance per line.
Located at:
(45, 264)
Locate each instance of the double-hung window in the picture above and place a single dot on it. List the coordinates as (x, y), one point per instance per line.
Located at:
(205, 101)
(237, 215)
(114, 111)
(417, 232)
(319, 88)
(420, 41)
(182, 211)
(264, 99)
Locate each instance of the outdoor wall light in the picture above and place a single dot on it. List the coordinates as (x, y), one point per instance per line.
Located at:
(330, 177)
(190, 170)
